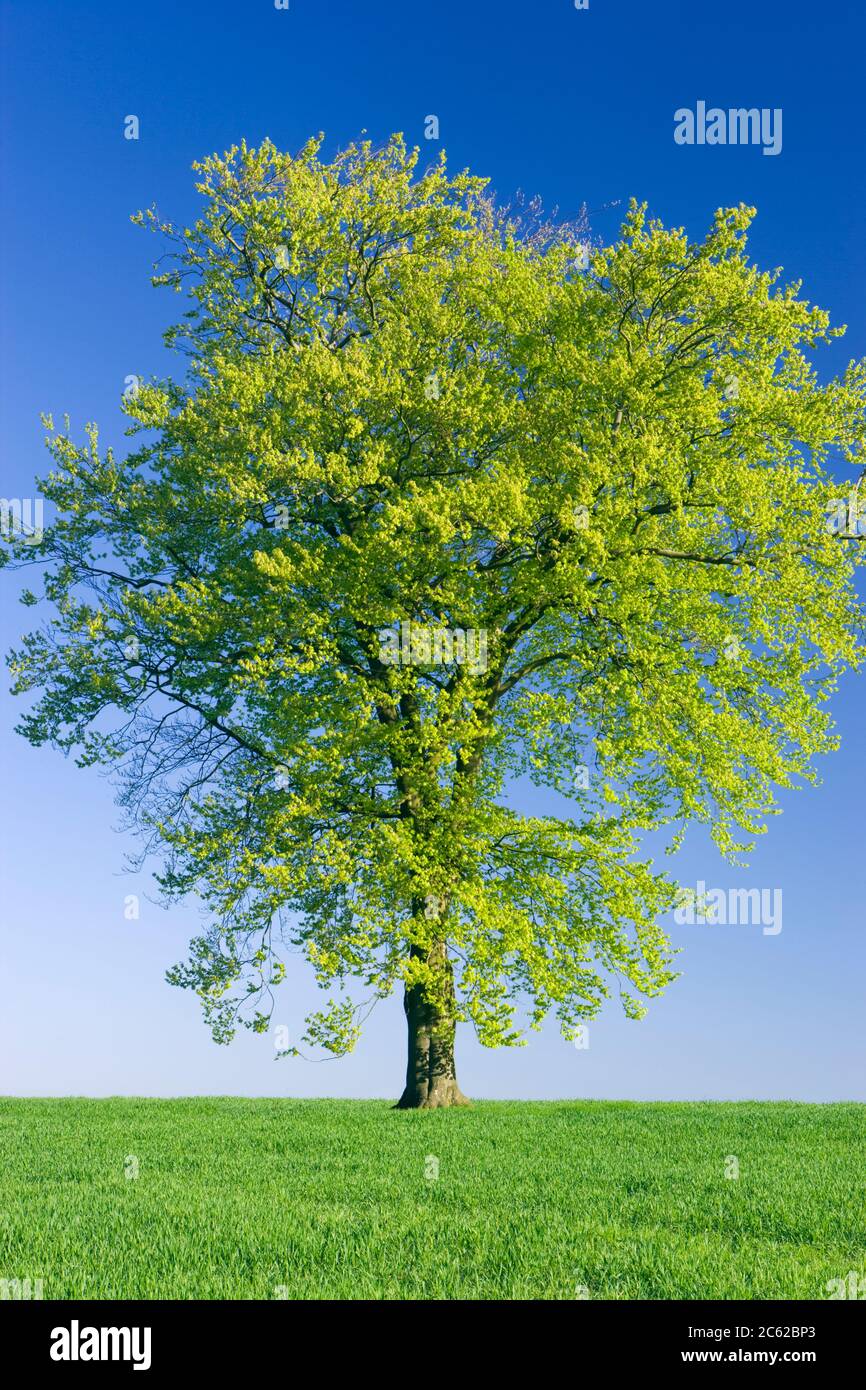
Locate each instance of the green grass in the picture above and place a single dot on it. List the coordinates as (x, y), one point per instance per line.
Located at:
(329, 1199)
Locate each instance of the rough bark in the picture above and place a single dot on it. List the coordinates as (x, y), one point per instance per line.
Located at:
(431, 1078)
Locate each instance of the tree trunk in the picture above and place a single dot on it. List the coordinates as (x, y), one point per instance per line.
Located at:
(431, 1080)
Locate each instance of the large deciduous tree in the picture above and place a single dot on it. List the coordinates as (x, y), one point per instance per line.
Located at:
(445, 500)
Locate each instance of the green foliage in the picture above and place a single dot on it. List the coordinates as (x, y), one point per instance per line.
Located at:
(400, 407)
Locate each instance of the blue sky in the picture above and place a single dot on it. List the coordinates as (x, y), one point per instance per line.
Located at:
(577, 106)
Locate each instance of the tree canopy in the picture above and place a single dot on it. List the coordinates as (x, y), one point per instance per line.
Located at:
(442, 501)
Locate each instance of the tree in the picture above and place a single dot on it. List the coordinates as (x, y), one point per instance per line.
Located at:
(443, 500)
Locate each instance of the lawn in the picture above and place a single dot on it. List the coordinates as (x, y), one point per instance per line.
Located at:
(230, 1198)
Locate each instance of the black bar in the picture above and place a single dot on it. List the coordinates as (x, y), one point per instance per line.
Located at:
(280, 1337)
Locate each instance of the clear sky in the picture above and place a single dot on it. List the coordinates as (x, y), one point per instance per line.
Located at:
(577, 106)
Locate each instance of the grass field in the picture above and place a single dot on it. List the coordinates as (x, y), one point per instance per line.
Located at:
(317, 1199)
